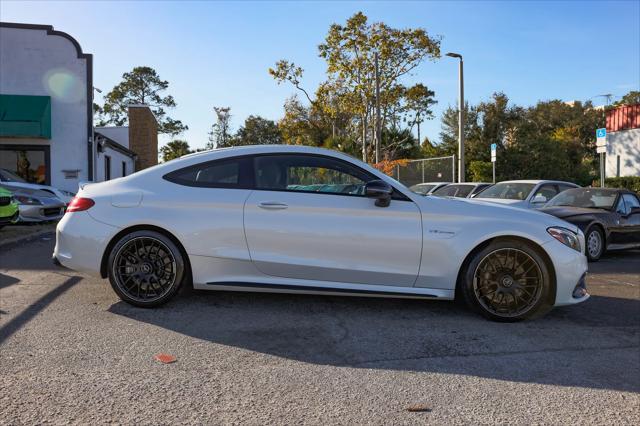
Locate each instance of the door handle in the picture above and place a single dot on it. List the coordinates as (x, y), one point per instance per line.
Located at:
(272, 205)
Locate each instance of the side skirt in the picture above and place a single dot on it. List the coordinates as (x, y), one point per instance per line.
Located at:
(413, 293)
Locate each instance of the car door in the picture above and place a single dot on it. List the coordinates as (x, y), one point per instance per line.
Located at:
(309, 219)
(629, 227)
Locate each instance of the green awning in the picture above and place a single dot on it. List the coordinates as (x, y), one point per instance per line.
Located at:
(25, 116)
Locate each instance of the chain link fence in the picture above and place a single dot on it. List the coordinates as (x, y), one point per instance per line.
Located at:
(438, 169)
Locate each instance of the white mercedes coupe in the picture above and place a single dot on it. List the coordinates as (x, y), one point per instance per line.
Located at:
(307, 220)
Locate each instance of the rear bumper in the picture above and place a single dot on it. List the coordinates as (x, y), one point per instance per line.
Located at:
(81, 242)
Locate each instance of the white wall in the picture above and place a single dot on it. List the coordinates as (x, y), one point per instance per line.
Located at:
(626, 145)
(34, 63)
(116, 164)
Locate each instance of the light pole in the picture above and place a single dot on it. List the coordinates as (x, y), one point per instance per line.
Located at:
(460, 119)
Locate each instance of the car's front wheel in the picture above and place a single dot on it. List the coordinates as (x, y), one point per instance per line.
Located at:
(595, 243)
(507, 281)
(146, 268)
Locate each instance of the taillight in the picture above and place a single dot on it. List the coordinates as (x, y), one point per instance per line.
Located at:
(79, 204)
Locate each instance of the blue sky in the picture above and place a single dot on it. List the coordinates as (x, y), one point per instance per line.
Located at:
(218, 53)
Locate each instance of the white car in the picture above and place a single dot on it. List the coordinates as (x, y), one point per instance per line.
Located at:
(527, 194)
(427, 188)
(9, 178)
(461, 190)
(300, 219)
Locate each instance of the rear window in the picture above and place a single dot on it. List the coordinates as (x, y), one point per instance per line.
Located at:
(461, 191)
(214, 174)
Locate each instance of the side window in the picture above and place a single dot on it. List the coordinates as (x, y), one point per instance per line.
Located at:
(620, 207)
(630, 201)
(212, 174)
(546, 191)
(308, 173)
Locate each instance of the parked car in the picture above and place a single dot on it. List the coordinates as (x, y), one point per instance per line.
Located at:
(237, 219)
(528, 194)
(609, 218)
(427, 188)
(35, 205)
(8, 208)
(9, 178)
(461, 190)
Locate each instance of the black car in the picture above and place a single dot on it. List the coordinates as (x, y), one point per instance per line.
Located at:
(609, 218)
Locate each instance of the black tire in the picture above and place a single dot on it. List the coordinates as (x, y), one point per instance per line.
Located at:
(594, 243)
(508, 281)
(146, 269)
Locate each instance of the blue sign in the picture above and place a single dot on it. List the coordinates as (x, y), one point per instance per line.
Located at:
(493, 147)
(601, 133)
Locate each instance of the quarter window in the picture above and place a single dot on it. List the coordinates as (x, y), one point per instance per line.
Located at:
(630, 201)
(215, 174)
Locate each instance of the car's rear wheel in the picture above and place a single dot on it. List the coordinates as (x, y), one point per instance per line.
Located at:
(146, 268)
(595, 244)
(508, 281)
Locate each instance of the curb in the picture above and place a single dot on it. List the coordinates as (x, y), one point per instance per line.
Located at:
(12, 243)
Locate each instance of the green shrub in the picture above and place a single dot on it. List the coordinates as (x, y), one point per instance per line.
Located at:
(631, 183)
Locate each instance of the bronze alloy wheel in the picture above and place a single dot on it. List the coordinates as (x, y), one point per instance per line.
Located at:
(144, 269)
(508, 282)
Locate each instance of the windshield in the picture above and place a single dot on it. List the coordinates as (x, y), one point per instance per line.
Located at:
(508, 191)
(422, 189)
(7, 176)
(584, 197)
(454, 191)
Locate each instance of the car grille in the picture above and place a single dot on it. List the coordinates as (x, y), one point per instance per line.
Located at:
(4, 201)
(51, 212)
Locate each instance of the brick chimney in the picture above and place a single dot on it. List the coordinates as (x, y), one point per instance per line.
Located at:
(143, 136)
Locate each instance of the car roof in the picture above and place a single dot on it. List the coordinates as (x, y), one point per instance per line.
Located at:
(537, 181)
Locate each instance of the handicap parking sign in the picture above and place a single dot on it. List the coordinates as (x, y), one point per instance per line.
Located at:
(601, 133)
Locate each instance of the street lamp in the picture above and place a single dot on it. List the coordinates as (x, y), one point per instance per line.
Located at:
(460, 119)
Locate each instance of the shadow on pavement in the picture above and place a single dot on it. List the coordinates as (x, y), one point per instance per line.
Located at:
(36, 307)
(563, 348)
(6, 281)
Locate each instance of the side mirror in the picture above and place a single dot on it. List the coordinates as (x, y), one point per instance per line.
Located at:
(380, 190)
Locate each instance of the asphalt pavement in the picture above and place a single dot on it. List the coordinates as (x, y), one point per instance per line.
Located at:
(71, 352)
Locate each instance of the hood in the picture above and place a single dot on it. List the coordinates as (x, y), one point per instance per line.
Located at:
(29, 192)
(473, 207)
(568, 211)
(504, 201)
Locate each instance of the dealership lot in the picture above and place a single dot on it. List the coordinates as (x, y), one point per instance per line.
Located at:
(70, 351)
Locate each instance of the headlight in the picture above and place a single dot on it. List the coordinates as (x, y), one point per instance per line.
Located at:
(566, 237)
(23, 199)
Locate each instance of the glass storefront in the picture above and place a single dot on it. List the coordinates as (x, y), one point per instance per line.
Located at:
(29, 162)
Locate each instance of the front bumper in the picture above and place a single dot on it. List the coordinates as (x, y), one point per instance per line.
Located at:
(6, 220)
(41, 213)
(571, 269)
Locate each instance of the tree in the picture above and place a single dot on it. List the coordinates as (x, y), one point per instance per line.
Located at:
(258, 131)
(175, 149)
(349, 51)
(631, 98)
(220, 134)
(144, 86)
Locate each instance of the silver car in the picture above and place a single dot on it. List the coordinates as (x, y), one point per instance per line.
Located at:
(35, 205)
(527, 194)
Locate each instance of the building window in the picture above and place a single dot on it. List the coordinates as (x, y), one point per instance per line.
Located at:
(28, 162)
(107, 167)
(124, 169)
